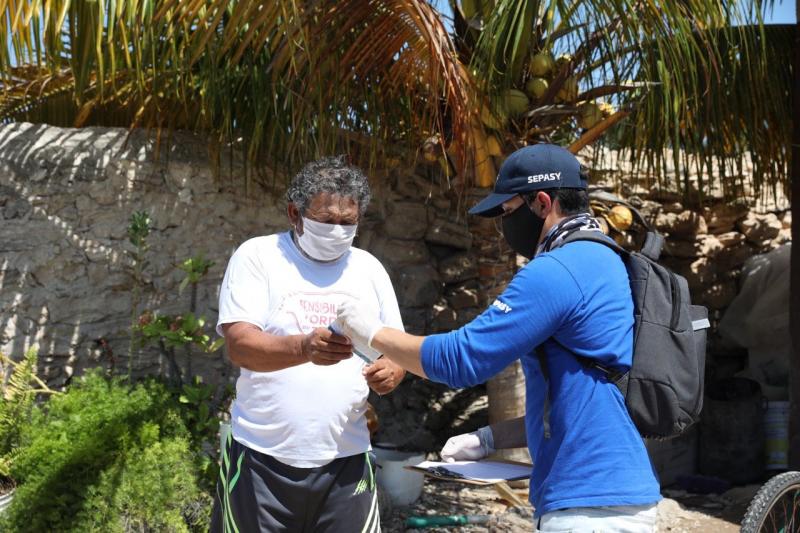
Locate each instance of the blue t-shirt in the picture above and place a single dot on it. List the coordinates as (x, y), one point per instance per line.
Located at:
(578, 295)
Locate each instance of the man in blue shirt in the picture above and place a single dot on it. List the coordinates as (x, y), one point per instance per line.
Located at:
(591, 470)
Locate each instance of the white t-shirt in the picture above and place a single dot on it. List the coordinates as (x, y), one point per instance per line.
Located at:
(306, 415)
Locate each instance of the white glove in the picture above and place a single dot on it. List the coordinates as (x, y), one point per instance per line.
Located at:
(469, 446)
(359, 323)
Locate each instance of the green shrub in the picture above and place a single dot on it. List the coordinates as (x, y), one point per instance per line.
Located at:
(107, 456)
(19, 386)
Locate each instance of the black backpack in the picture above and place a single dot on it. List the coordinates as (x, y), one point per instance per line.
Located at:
(663, 389)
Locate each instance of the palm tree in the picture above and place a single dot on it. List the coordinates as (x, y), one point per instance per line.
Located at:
(703, 83)
(294, 78)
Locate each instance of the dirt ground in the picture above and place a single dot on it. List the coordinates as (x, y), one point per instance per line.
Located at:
(678, 512)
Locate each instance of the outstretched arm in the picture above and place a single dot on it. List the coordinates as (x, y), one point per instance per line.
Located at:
(485, 441)
(400, 347)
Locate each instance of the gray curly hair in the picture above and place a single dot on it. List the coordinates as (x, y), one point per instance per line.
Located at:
(332, 175)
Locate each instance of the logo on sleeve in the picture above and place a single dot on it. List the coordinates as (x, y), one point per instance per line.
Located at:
(504, 307)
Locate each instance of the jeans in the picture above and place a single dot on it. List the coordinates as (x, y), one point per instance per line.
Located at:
(616, 519)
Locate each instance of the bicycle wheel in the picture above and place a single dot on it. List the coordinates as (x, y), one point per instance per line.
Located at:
(775, 507)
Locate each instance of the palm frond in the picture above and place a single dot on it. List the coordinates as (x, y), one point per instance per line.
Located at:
(700, 81)
(294, 79)
(17, 398)
(736, 116)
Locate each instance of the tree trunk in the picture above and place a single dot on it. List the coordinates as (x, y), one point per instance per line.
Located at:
(506, 393)
(794, 300)
(496, 267)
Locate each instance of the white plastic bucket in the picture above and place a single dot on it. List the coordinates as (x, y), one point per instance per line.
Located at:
(776, 427)
(403, 486)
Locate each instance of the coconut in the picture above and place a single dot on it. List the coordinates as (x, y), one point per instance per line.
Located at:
(568, 91)
(536, 87)
(515, 101)
(620, 218)
(542, 64)
(590, 115)
(562, 60)
(606, 108)
(493, 118)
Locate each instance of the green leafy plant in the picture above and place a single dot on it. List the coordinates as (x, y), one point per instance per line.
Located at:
(187, 332)
(168, 332)
(201, 403)
(18, 395)
(139, 226)
(195, 268)
(177, 330)
(108, 456)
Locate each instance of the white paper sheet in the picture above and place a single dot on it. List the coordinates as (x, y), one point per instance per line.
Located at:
(488, 471)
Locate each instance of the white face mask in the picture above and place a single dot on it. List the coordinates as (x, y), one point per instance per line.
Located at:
(325, 242)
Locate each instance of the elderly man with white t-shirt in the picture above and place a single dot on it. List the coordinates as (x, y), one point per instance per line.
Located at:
(297, 459)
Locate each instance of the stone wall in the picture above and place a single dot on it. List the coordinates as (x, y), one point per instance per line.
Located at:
(66, 280)
(66, 274)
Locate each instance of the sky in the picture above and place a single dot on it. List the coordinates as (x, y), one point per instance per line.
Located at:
(783, 11)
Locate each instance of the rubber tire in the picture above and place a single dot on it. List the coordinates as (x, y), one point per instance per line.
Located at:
(764, 499)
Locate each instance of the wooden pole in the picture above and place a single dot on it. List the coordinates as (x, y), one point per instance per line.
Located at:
(794, 302)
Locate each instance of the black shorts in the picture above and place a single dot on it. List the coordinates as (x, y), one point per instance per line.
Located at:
(257, 493)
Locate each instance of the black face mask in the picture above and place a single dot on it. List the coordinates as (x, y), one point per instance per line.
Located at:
(522, 229)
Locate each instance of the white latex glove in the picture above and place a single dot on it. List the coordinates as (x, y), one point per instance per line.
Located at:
(469, 446)
(359, 323)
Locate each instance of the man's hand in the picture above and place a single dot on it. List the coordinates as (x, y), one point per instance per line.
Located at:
(383, 376)
(324, 347)
(469, 446)
(360, 323)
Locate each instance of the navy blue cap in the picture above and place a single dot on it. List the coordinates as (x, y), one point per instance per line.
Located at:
(540, 166)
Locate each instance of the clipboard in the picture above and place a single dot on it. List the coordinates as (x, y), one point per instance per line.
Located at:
(484, 472)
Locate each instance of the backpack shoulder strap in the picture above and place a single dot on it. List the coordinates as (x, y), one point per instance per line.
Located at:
(651, 249)
(595, 236)
(653, 243)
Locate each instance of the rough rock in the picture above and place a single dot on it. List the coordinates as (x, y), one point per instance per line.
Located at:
(698, 272)
(408, 221)
(684, 224)
(722, 218)
(701, 246)
(783, 237)
(730, 239)
(415, 319)
(443, 317)
(448, 233)
(649, 209)
(415, 187)
(673, 207)
(461, 297)
(717, 295)
(468, 314)
(395, 252)
(417, 285)
(680, 249)
(758, 228)
(733, 257)
(458, 267)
